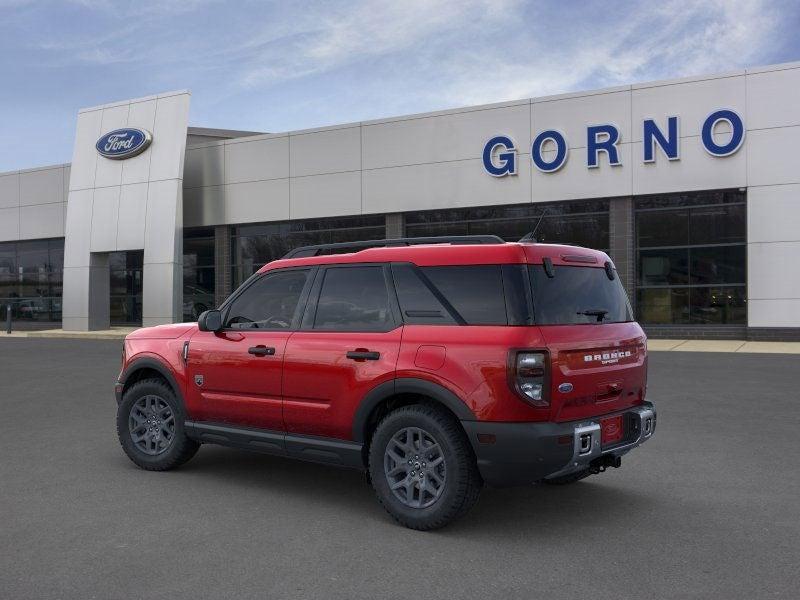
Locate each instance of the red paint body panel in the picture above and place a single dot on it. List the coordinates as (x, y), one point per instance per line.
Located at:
(598, 387)
(322, 388)
(309, 386)
(475, 367)
(238, 387)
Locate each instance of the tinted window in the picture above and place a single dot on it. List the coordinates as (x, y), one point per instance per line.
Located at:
(417, 302)
(475, 292)
(577, 295)
(269, 303)
(354, 299)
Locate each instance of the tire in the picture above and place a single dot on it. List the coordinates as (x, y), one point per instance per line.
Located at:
(157, 407)
(568, 479)
(449, 487)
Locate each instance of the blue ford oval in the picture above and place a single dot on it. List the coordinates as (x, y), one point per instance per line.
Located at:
(123, 143)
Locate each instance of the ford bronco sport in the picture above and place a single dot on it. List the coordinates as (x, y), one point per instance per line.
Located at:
(436, 365)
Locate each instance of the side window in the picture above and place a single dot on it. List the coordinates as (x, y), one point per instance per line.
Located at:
(269, 303)
(418, 303)
(353, 299)
(475, 291)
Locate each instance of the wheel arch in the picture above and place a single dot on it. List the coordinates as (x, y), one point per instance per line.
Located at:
(401, 392)
(147, 367)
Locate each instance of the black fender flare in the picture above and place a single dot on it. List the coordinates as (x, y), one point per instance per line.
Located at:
(406, 385)
(147, 362)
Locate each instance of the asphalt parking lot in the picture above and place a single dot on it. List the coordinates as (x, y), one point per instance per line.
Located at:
(710, 508)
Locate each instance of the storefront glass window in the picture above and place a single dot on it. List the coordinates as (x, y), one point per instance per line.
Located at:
(583, 223)
(198, 272)
(691, 266)
(255, 245)
(31, 275)
(125, 270)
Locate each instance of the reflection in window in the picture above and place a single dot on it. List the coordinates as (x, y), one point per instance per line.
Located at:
(198, 272)
(31, 277)
(691, 266)
(269, 303)
(255, 245)
(125, 270)
(353, 299)
(581, 223)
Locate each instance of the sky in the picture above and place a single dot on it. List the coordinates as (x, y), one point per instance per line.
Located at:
(279, 66)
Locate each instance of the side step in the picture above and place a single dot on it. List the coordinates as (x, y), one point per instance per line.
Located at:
(303, 447)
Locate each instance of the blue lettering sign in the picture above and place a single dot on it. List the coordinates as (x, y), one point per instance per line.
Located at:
(652, 135)
(123, 143)
(500, 152)
(561, 151)
(736, 140)
(602, 138)
(507, 157)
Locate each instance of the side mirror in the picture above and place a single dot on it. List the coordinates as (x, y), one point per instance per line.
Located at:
(210, 320)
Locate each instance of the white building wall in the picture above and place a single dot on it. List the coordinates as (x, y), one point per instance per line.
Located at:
(33, 203)
(132, 204)
(773, 176)
(429, 161)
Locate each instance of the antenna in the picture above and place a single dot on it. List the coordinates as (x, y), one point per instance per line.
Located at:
(531, 237)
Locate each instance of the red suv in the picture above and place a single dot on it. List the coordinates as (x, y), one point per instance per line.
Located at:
(435, 365)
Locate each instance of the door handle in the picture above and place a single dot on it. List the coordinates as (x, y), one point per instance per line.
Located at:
(363, 355)
(261, 351)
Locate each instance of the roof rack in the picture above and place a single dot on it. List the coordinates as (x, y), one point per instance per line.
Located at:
(306, 251)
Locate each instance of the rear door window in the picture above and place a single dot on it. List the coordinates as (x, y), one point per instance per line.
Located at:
(578, 295)
(354, 299)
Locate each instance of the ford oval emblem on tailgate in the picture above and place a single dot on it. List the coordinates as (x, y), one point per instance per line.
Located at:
(565, 388)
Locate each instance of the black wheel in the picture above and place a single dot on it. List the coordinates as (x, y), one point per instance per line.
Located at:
(422, 467)
(150, 427)
(567, 479)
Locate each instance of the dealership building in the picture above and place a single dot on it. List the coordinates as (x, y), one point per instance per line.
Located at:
(692, 186)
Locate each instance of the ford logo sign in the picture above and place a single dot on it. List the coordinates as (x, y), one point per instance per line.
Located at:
(123, 143)
(565, 388)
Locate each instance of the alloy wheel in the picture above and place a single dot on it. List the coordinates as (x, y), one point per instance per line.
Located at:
(151, 424)
(414, 466)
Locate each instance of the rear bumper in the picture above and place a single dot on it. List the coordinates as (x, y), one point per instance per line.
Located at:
(522, 453)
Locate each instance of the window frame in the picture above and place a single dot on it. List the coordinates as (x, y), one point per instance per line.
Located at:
(225, 308)
(526, 319)
(698, 200)
(310, 313)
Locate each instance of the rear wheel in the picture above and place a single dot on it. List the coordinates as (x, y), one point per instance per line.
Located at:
(422, 467)
(150, 427)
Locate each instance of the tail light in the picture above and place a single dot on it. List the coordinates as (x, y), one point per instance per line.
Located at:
(528, 375)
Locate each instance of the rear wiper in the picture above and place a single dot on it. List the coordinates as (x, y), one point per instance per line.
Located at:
(600, 314)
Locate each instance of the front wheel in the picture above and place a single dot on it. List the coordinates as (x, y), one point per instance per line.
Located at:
(150, 427)
(423, 468)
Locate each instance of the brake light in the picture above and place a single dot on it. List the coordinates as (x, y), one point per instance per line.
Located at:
(529, 371)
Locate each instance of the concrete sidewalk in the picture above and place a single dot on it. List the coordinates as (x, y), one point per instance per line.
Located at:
(118, 333)
(723, 346)
(115, 333)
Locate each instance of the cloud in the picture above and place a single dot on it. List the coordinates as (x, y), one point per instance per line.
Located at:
(274, 65)
(654, 42)
(326, 39)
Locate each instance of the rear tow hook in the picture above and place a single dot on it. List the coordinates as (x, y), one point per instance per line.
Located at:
(598, 465)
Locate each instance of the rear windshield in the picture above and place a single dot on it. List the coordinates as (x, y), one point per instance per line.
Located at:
(578, 295)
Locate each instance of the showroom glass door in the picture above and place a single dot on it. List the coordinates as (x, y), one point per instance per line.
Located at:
(126, 287)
